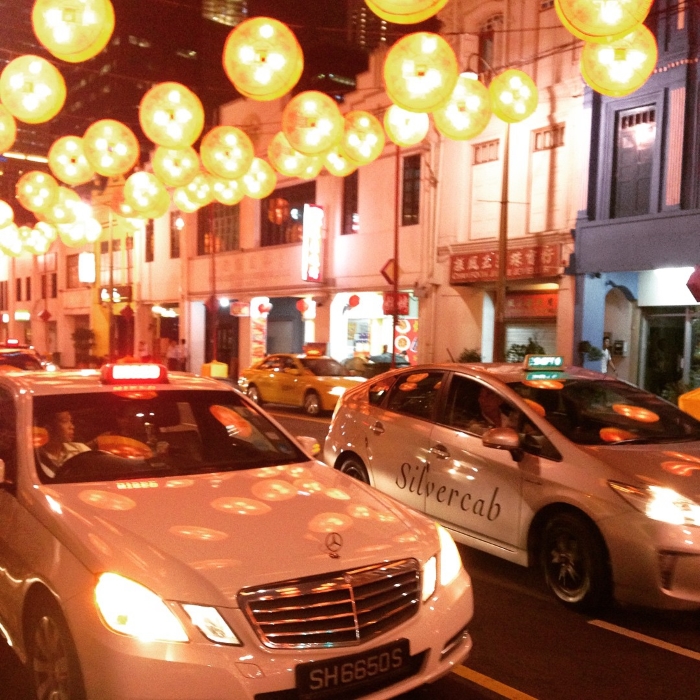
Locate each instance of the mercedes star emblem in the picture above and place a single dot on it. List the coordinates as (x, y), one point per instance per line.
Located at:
(333, 544)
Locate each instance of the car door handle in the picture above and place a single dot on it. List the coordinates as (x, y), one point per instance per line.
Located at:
(440, 451)
(377, 428)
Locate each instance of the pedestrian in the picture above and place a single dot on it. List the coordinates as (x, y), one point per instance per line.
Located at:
(182, 355)
(172, 355)
(607, 361)
(144, 353)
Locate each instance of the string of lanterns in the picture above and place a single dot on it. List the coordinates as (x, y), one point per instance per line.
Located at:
(264, 61)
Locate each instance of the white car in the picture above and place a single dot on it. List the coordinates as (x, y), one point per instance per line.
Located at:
(590, 478)
(161, 538)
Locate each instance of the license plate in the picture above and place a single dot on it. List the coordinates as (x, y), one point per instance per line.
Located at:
(332, 677)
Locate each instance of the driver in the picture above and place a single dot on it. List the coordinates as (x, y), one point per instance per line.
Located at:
(60, 446)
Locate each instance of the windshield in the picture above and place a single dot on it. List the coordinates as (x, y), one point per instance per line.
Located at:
(602, 412)
(324, 367)
(103, 437)
(21, 360)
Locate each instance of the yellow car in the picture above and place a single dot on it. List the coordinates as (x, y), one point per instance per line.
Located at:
(312, 382)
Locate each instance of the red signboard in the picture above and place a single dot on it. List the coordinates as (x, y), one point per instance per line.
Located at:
(531, 305)
(400, 303)
(521, 263)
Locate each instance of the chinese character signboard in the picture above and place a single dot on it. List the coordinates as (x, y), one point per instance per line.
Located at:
(531, 305)
(398, 301)
(312, 244)
(521, 263)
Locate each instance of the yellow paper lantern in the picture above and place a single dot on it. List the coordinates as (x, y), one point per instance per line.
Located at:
(262, 58)
(513, 95)
(84, 230)
(110, 147)
(63, 210)
(405, 11)
(183, 202)
(48, 231)
(199, 191)
(622, 66)
(287, 160)
(260, 180)
(227, 192)
(8, 129)
(598, 21)
(146, 193)
(312, 122)
(363, 139)
(32, 89)
(7, 213)
(405, 128)
(468, 111)
(10, 242)
(227, 152)
(36, 190)
(68, 162)
(337, 162)
(312, 168)
(420, 72)
(171, 115)
(106, 30)
(33, 240)
(175, 167)
(69, 26)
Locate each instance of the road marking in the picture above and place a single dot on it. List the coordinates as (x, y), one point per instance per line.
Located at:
(648, 640)
(490, 684)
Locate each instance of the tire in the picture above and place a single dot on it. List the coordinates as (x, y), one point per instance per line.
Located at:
(254, 394)
(52, 659)
(352, 466)
(312, 404)
(575, 563)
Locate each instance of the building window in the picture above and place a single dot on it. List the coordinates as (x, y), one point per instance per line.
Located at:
(225, 220)
(282, 214)
(4, 301)
(72, 279)
(177, 223)
(633, 162)
(410, 200)
(18, 289)
(551, 137)
(149, 253)
(487, 47)
(485, 152)
(28, 289)
(351, 216)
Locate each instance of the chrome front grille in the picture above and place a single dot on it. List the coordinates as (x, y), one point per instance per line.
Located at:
(339, 609)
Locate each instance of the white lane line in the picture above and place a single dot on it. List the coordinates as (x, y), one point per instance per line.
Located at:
(491, 684)
(682, 651)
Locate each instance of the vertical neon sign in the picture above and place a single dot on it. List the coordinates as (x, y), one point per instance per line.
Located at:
(312, 243)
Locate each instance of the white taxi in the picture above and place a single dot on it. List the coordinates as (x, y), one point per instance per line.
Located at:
(161, 538)
(590, 478)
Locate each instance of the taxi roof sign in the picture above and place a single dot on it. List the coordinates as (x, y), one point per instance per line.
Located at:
(134, 373)
(553, 363)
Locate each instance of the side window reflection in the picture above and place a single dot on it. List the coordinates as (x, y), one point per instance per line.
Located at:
(8, 435)
(416, 394)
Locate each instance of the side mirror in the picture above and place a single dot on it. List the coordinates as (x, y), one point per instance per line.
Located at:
(503, 439)
(310, 444)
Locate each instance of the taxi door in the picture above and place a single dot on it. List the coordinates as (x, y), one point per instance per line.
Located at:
(267, 379)
(398, 434)
(289, 382)
(477, 490)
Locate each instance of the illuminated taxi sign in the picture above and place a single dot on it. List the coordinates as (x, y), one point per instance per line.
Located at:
(553, 363)
(541, 376)
(134, 373)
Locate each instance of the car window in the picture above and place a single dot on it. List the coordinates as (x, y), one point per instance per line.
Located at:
(271, 363)
(600, 412)
(8, 434)
(94, 437)
(379, 390)
(324, 367)
(416, 394)
(21, 360)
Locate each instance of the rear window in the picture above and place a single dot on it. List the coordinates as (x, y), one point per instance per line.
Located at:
(324, 367)
(21, 360)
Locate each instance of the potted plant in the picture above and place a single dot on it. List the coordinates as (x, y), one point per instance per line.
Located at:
(83, 340)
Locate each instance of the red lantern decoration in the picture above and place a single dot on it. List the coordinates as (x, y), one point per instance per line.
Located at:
(265, 308)
(693, 283)
(45, 315)
(353, 301)
(302, 306)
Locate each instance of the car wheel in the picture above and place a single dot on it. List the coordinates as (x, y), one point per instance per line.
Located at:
(352, 466)
(575, 562)
(254, 394)
(52, 658)
(312, 404)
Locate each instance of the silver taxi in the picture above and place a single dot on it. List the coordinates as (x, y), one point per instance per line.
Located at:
(161, 538)
(590, 478)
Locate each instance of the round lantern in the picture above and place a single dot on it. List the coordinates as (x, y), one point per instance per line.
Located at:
(106, 29)
(227, 192)
(64, 209)
(363, 140)
(353, 301)
(48, 231)
(36, 190)
(513, 95)
(86, 229)
(199, 191)
(285, 159)
(622, 66)
(227, 152)
(175, 167)
(262, 58)
(110, 147)
(7, 213)
(182, 201)
(468, 111)
(32, 89)
(602, 21)
(337, 162)
(420, 72)
(260, 180)
(312, 168)
(312, 122)
(10, 243)
(33, 240)
(171, 115)
(405, 11)
(146, 193)
(69, 26)
(405, 128)
(302, 305)
(68, 162)
(8, 129)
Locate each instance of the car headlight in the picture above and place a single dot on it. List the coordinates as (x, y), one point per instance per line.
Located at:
(337, 391)
(447, 565)
(660, 503)
(134, 610)
(211, 624)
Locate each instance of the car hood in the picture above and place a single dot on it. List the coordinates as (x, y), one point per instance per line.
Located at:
(202, 538)
(675, 465)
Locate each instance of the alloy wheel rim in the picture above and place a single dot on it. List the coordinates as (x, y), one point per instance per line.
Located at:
(50, 662)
